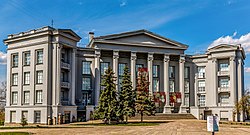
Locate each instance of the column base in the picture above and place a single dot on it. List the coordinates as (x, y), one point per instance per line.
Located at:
(183, 109)
(167, 109)
(89, 112)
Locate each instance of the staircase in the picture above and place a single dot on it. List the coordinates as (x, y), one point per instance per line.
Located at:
(162, 116)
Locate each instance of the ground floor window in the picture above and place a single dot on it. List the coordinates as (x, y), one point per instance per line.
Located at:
(25, 115)
(12, 116)
(37, 115)
(202, 100)
(171, 86)
(186, 100)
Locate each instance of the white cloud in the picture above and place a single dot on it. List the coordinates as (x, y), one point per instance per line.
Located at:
(244, 40)
(3, 58)
(123, 3)
(247, 69)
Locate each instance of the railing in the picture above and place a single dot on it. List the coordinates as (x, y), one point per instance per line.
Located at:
(65, 65)
(223, 89)
(223, 73)
(65, 85)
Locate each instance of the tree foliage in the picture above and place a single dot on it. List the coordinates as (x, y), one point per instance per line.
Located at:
(144, 103)
(127, 97)
(244, 104)
(108, 104)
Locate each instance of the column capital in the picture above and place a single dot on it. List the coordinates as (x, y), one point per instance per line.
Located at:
(115, 54)
(232, 58)
(97, 53)
(182, 59)
(133, 56)
(59, 46)
(214, 59)
(150, 56)
(166, 58)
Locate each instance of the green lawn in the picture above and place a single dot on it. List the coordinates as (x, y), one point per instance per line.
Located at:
(14, 133)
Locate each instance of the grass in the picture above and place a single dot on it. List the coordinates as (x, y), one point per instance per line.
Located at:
(14, 133)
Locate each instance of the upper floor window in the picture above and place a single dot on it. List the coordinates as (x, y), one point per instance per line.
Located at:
(39, 96)
(186, 72)
(14, 98)
(224, 99)
(39, 77)
(86, 69)
(171, 85)
(171, 72)
(26, 58)
(186, 86)
(121, 67)
(224, 82)
(223, 67)
(15, 60)
(26, 78)
(26, 97)
(156, 73)
(201, 72)
(104, 67)
(201, 86)
(14, 79)
(39, 54)
(86, 83)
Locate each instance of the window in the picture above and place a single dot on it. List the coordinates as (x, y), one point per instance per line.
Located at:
(104, 67)
(201, 72)
(26, 78)
(39, 77)
(26, 58)
(202, 100)
(224, 99)
(37, 115)
(14, 79)
(186, 72)
(171, 72)
(121, 67)
(186, 100)
(14, 98)
(26, 97)
(137, 66)
(224, 82)
(171, 85)
(223, 67)
(86, 67)
(12, 116)
(201, 86)
(186, 86)
(15, 60)
(86, 83)
(39, 95)
(156, 78)
(39, 54)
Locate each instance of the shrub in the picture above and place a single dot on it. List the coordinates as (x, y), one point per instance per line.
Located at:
(23, 122)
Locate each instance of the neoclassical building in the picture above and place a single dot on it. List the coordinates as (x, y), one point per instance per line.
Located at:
(49, 76)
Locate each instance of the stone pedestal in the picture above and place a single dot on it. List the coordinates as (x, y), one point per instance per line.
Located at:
(167, 109)
(89, 112)
(183, 109)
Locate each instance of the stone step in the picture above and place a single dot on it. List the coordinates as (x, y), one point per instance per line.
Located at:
(161, 116)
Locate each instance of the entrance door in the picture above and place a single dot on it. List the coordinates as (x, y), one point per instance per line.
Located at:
(67, 117)
(207, 113)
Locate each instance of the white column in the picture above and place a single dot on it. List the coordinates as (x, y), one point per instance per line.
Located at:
(115, 66)
(58, 75)
(133, 71)
(54, 68)
(73, 77)
(195, 90)
(214, 100)
(97, 76)
(233, 89)
(240, 85)
(167, 108)
(150, 72)
(181, 82)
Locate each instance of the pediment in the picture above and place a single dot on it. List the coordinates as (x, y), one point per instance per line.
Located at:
(223, 47)
(142, 37)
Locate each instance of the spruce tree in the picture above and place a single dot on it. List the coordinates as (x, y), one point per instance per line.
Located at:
(108, 104)
(144, 103)
(127, 97)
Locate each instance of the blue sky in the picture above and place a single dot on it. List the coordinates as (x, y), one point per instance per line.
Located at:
(198, 23)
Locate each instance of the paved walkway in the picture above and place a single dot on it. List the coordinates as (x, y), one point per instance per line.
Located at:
(179, 127)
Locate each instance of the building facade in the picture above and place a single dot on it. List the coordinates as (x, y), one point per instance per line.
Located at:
(50, 76)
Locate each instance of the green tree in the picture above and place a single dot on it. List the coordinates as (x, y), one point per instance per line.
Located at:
(23, 122)
(244, 105)
(108, 104)
(127, 97)
(144, 103)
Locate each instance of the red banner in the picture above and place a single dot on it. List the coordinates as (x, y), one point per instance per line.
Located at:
(175, 97)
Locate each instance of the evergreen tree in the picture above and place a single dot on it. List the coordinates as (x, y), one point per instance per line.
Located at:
(144, 103)
(127, 97)
(108, 104)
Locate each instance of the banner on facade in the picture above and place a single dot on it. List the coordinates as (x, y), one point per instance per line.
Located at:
(159, 98)
(175, 97)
